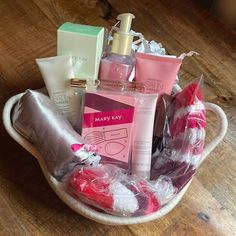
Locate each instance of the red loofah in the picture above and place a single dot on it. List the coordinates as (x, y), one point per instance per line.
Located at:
(153, 203)
(91, 184)
(188, 121)
(188, 95)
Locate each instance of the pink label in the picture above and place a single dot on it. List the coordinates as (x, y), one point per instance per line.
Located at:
(154, 86)
(112, 70)
(115, 117)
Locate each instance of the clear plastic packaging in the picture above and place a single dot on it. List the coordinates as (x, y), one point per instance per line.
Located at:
(109, 189)
(183, 138)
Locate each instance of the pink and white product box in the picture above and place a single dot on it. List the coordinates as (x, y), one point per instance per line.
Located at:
(107, 123)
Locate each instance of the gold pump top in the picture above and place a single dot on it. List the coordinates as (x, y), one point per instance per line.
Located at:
(123, 38)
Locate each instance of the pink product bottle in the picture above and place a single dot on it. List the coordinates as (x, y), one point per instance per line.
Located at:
(119, 63)
(157, 73)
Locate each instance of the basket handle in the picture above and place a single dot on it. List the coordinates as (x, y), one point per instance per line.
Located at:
(6, 116)
(223, 125)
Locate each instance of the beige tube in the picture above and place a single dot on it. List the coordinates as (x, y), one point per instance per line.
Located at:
(57, 72)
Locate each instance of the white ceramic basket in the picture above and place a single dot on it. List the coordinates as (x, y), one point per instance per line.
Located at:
(85, 210)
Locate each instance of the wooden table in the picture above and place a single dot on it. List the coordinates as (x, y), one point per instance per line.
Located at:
(28, 30)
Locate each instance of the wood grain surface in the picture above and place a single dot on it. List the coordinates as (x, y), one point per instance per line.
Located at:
(28, 30)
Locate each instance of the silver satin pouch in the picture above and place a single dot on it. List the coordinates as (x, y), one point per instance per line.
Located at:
(36, 118)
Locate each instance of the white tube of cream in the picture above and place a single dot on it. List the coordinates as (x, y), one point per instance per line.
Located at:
(57, 72)
(142, 135)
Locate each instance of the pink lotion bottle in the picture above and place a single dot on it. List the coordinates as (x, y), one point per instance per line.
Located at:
(119, 63)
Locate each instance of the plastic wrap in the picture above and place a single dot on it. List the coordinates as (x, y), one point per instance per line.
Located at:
(183, 137)
(108, 188)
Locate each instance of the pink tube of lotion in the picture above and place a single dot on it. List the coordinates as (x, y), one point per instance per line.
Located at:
(157, 73)
(142, 134)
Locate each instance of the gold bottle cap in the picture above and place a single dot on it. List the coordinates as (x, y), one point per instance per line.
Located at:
(78, 83)
(84, 83)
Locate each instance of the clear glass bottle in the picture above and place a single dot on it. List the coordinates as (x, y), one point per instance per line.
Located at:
(78, 90)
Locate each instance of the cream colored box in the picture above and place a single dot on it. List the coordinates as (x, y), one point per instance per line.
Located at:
(85, 44)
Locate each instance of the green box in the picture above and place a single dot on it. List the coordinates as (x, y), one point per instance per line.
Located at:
(85, 44)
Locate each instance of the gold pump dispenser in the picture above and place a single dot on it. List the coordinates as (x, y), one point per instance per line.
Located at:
(123, 38)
